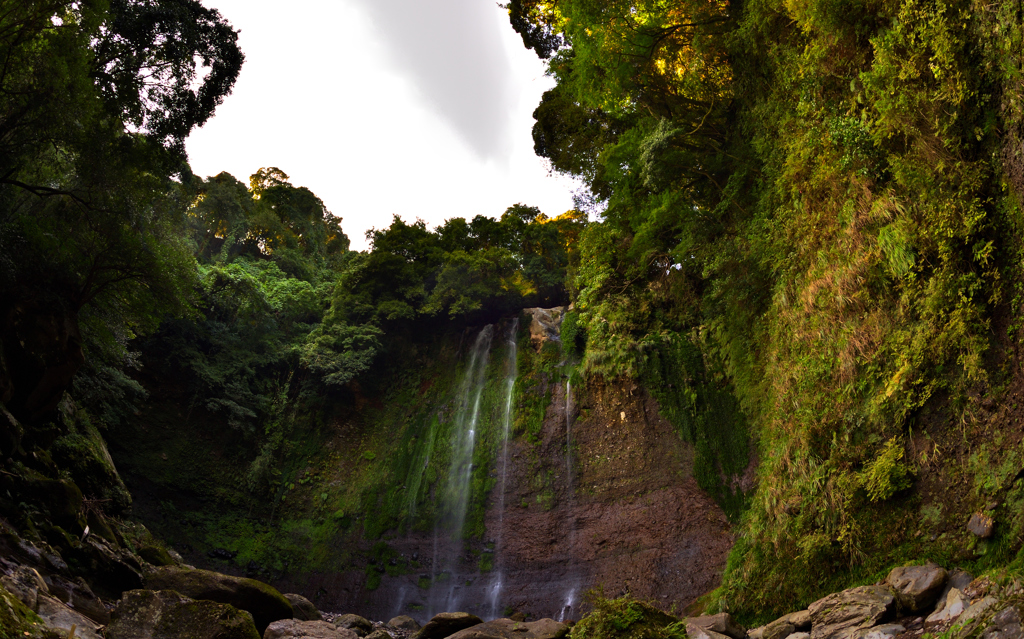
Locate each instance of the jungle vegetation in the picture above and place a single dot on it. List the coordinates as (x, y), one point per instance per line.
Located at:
(805, 229)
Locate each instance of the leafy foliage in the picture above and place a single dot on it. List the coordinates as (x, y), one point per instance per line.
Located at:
(625, 618)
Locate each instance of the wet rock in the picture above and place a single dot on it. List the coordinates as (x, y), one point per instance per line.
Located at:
(299, 629)
(800, 635)
(1005, 625)
(302, 608)
(26, 584)
(509, 629)
(264, 602)
(954, 605)
(380, 633)
(403, 622)
(841, 615)
(59, 617)
(170, 615)
(722, 623)
(917, 587)
(359, 625)
(447, 624)
(78, 596)
(981, 525)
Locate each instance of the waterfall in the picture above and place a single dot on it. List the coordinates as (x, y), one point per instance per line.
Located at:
(511, 371)
(570, 597)
(448, 532)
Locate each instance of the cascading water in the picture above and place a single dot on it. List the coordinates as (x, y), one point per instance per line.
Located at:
(570, 596)
(511, 371)
(448, 534)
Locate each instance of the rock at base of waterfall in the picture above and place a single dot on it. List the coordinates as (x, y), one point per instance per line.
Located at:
(509, 629)
(447, 624)
(299, 629)
(302, 608)
(167, 614)
(722, 623)
(359, 625)
(404, 622)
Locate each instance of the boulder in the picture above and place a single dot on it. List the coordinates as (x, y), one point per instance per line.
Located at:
(302, 608)
(841, 615)
(778, 629)
(801, 620)
(981, 525)
(696, 632)
(26, 584)
(885, 631)
(1005, 625)
(508, 629)
(447, 624)
(264, 602)
(800, 635)
(917, 587)
(545, 325)
(299, 629)
(170, 615)
(954, 605)
(722, 623)
(977, 609)
(380, 633)
(78, 595)
(113, 571)
(59, 617)
(156, 555)
(355, 623)
(403, 622)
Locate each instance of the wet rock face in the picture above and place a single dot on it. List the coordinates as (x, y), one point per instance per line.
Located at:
(631, 517)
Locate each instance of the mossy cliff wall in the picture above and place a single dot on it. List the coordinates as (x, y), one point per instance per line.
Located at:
(599, 489)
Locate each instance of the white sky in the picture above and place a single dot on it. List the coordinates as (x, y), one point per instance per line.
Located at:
(415, 107)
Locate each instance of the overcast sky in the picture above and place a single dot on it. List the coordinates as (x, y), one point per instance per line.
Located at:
(420, 108)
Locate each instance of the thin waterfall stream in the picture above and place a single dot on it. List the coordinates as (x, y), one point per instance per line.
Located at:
(511, 371)
(449, 533)
(569, 603)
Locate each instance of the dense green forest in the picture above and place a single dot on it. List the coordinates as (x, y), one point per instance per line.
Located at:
(801, 228)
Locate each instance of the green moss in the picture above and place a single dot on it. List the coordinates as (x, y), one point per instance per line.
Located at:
(625, 618)
(17, 621)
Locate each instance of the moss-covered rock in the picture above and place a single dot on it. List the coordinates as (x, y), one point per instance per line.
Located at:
(302, 608)
(16, 620)
(170, 615)
(157, 556)
(264, 602)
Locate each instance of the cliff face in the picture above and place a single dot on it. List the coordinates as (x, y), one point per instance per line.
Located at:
(562, 489)
(626, 516)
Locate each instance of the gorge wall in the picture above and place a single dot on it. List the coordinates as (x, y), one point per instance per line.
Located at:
(565, 486)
